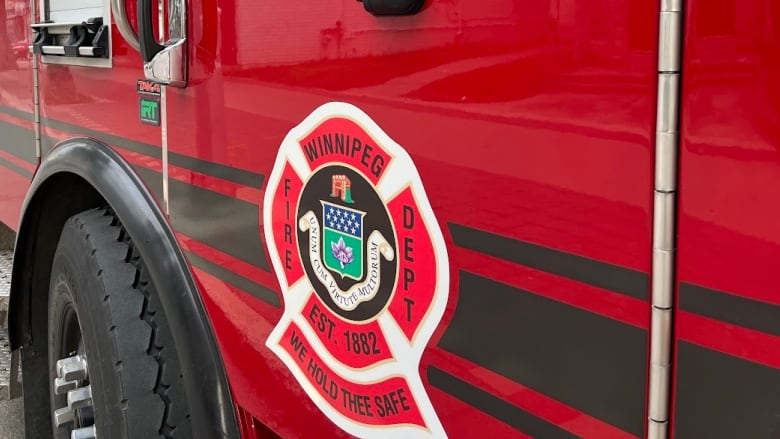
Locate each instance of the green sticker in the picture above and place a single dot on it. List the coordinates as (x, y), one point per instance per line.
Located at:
(149, 111)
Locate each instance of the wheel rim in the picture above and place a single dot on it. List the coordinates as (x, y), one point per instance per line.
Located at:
(72, 380)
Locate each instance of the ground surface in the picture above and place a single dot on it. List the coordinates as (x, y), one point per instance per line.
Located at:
(11, 419)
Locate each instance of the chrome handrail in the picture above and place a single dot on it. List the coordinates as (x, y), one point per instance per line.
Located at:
(119, 12)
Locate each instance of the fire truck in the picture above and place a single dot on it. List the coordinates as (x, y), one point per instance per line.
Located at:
(391, 218)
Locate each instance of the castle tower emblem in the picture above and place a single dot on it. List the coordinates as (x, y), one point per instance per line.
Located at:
(341, 187)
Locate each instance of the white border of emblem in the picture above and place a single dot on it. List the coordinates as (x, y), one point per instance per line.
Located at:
(400, 173)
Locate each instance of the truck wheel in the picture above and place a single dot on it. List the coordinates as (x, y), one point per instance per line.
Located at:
(113, 367)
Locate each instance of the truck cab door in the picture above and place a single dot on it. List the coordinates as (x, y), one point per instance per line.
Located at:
(530, 124)
(88, 83)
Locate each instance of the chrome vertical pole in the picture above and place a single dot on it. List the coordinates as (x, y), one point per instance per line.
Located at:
(664, 215)
(36, 90)
(164, 116)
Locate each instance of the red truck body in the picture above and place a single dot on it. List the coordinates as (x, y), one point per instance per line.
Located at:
(532, 127)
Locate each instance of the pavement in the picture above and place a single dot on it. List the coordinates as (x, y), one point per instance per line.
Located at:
(12, 419)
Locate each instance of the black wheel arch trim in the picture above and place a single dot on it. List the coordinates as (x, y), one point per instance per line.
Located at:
(205, 379)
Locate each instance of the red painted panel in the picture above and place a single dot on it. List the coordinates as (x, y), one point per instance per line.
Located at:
(15, 99)
(97, 102)
(532, 120)
(730, 167)
(15, 59)
(571, 420)
(729, 239)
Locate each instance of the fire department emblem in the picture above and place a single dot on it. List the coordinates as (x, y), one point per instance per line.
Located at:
(363, 270)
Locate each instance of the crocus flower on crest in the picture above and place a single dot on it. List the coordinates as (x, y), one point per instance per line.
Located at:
(341, 252)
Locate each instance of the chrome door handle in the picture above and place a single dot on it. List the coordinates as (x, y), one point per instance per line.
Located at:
(164, 63)
(169, 65)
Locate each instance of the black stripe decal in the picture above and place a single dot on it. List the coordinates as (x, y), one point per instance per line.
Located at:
(721, 396)
(14, 167)
(622, 280)
(16, 113)
(47, 143)
(153, 182)
(225, 223)
(228, 224)
(239, 176)
(202, 166)
(255, 289)
(495, 407)
(235, 175)
(248, 248)
(592, 363)
(741, 311)
(18, 141)
(130, 145)
(224, 172)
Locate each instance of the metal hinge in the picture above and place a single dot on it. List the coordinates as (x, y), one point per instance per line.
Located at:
(667, 140)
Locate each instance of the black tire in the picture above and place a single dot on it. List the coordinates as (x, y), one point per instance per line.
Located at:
(98, 276)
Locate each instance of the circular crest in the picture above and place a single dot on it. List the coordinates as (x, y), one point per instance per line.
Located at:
(363, 269)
